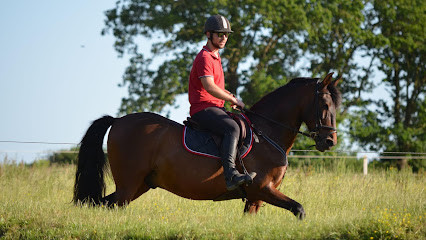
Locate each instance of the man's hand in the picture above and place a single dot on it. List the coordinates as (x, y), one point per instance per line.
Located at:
(237, 104)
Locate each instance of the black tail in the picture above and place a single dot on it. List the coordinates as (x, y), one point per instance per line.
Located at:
(89, 184)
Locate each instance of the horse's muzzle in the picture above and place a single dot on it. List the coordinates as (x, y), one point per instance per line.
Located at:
(323, 144)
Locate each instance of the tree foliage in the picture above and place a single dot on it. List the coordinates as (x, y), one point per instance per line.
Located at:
(399, 46)
(275, 41)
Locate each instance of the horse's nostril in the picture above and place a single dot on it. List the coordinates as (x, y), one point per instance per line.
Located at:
(329, 142)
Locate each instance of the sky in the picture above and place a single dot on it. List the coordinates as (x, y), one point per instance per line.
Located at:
(57, 75)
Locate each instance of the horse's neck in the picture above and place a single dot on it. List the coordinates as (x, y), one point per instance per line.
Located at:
(285, 112)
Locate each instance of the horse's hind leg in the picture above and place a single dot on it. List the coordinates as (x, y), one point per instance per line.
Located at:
(124, 195)
(110, 200)
(120, 198)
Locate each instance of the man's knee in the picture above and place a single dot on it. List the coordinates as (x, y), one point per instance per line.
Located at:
(233, 129)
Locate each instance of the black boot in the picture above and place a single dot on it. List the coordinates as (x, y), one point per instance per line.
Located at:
(233, 178)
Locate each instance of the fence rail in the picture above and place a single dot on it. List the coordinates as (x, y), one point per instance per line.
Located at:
(293, 150)
(290, 156)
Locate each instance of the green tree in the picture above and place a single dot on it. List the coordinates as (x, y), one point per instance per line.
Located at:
(335, 37)
(399, 46)
(64, 156)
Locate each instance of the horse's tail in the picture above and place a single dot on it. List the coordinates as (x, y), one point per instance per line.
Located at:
(89, 184)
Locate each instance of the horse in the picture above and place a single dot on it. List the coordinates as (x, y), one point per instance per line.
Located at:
(145, 151)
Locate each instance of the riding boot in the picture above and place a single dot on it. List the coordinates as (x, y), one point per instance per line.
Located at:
(233, 178)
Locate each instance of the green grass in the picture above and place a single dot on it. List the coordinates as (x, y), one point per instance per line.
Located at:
(35, 203)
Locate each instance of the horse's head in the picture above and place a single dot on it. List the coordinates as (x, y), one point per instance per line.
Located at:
(320, 117)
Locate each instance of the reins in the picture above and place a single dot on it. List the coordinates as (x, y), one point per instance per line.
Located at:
(311, 134)
(318, 126)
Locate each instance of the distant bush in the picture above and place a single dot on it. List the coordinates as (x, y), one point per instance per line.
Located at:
(64, 156)
(326, 164)
(39, 163)
(416, 165)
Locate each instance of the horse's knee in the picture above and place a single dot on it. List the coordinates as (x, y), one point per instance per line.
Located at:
(252, 207)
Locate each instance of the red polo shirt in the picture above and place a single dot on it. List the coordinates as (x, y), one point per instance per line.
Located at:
(205, 64)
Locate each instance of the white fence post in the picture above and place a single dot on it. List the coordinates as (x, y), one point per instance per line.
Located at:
(365, 165)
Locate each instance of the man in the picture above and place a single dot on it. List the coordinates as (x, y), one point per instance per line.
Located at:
(207, 95)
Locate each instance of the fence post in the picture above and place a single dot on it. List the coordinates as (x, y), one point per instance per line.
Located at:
(365, 165)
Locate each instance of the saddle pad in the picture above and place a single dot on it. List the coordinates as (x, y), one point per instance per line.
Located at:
(202, 143)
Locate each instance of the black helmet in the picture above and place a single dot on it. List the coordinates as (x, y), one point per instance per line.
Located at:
(217, 23)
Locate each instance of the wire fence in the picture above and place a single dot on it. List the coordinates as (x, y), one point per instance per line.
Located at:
(294, 153)
(365, 156)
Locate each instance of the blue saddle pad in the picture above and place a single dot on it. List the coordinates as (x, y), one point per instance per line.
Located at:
(202, 143)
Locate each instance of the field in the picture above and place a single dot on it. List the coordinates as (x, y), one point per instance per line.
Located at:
(35, 203)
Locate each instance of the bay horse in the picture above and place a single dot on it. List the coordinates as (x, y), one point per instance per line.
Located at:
(145, 150)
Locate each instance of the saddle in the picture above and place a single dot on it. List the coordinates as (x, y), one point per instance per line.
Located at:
(202, 142)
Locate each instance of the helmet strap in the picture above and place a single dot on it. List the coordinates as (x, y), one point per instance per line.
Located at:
(211, 37)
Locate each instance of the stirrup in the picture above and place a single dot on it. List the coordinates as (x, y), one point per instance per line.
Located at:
(239, 180)
(251, 176)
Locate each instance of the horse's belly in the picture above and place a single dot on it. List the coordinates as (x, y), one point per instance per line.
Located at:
(196, 178)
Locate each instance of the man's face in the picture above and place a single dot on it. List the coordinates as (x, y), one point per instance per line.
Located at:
(219, 40)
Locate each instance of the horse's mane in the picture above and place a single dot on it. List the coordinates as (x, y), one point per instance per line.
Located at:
(296, 82)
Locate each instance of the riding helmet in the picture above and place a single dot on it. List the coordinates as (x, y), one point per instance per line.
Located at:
(217, 23)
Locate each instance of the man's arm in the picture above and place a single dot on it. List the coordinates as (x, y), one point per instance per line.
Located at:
(217, 92)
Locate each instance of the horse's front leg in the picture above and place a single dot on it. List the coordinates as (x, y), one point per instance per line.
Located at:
(252, 207)
(272, 196)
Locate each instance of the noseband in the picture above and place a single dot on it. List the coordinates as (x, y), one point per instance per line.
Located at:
(318, 126)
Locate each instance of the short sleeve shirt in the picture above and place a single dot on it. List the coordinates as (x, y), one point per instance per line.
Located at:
(205, 64)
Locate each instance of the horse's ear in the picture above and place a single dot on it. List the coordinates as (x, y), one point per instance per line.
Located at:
(335, 82)
(327, 80)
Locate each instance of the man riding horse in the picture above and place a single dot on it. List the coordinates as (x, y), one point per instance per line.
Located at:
(207, 95)
(146, 151)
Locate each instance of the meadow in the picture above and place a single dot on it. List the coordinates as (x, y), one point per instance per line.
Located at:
(35, 203)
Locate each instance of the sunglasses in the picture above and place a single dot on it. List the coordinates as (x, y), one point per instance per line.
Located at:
(221, 34)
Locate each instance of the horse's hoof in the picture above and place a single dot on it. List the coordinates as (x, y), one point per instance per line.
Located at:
(299, 212)
(301, 215)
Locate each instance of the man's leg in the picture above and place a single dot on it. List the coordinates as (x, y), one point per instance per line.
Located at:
(217, 121)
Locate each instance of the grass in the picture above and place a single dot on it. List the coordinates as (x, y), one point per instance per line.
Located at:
(35, 203)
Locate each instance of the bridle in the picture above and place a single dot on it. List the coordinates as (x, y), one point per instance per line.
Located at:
(318, 125)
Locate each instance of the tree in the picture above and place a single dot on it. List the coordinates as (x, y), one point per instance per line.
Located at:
(336, 34)
(399, 46)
